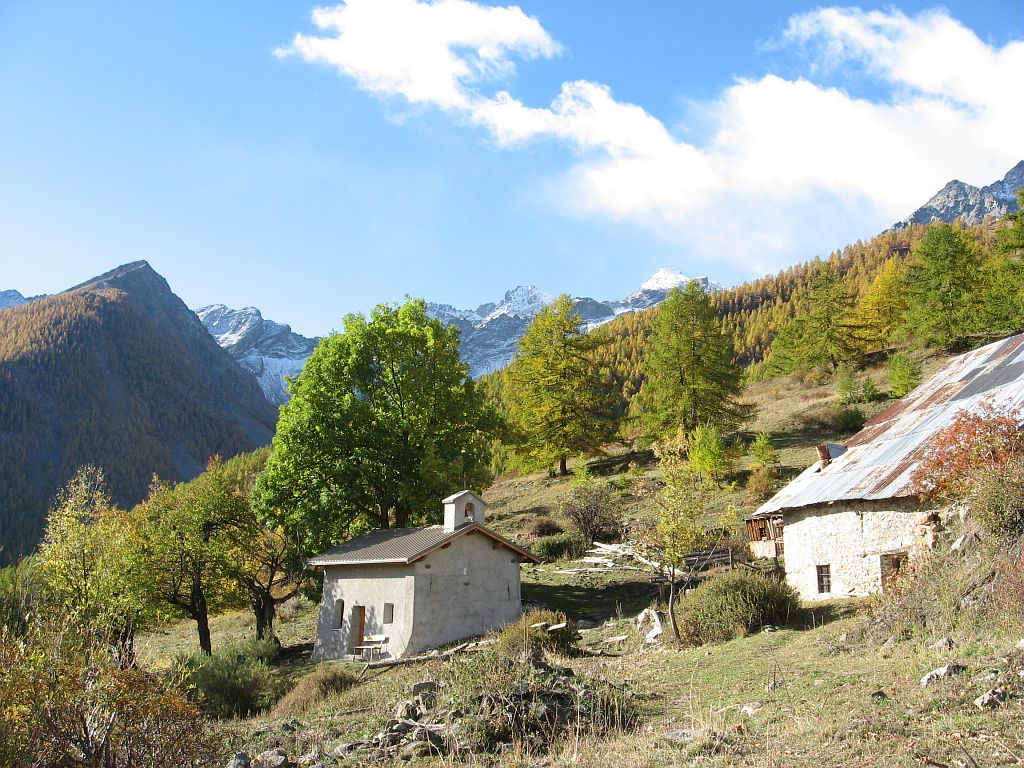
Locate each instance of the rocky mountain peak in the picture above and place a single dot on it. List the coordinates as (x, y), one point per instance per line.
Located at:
(970, 204)
(11, 299)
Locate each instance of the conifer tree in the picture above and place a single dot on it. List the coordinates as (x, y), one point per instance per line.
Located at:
(880, 312)
(942, 285)
(691, 376)
(559, 403)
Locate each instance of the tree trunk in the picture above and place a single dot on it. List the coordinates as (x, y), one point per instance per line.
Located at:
(264, 608)
(563, 468)
(202, 618)
(672, 603)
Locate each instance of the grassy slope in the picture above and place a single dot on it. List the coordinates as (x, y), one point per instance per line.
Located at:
(823, 714)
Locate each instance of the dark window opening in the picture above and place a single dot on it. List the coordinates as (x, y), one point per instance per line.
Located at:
(339, 613)
(824, 579)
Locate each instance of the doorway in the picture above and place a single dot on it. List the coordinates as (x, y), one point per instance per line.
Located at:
(358, 627)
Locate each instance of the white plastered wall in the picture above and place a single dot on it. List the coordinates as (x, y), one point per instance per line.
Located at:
(370, 586)
(464, 590)
(851, 540)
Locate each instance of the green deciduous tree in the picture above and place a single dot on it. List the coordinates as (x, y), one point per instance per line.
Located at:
(942, 284)
(690, 375)
(383, 422)
(184, 530)
(559, 403)
(91, 564)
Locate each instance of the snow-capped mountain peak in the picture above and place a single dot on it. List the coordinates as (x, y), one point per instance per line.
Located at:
(665, 279)
(523, 301)
(11, 299)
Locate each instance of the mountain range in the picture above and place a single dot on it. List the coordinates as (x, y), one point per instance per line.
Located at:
(116, 372)
(970, 204)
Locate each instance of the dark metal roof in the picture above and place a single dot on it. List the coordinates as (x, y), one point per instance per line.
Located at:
(405, 545)
(878, 461)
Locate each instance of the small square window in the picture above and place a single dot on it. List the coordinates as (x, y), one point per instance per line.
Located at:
(824, 579)
(389, 613)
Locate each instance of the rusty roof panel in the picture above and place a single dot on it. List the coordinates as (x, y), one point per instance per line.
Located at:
(879, 461)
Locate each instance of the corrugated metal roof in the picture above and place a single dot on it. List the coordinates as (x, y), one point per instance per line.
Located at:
(404, 545)
(878, 461)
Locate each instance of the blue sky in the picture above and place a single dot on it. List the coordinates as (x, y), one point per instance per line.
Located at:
(311, 166)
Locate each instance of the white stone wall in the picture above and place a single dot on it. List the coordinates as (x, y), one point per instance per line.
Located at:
(464, 590)
(851, 539)
(370, 586)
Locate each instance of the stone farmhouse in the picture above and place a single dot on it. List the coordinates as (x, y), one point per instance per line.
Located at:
(401, 591)
(852, 520)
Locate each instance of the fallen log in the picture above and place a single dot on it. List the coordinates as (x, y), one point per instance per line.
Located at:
(433, 655)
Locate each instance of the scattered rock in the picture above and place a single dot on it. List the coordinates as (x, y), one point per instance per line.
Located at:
(241, 760)
(769, 628)
(890, 642)
(751, 708)
(273, 758)
(587, 624)
(945, 644)
(308, 760)
(774, 685)
(947, 670)
(406, 710)
(1020, 644)
(991, 699)
(424, 686)
(879, 695)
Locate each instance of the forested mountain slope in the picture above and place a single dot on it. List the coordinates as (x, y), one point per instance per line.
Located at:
(118, 373)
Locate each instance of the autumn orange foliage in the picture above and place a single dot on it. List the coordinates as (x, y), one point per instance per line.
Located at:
(979, 439)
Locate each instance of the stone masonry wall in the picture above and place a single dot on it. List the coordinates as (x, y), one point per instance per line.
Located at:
(851, 540)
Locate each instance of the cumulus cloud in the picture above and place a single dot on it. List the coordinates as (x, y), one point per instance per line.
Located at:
(787, 161)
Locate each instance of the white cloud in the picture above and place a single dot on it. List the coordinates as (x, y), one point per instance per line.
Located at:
(427, 53)
(788, 161)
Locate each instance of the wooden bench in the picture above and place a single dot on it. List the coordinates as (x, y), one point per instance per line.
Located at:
(372, 645)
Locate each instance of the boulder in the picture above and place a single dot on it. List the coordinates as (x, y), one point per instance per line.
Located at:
(943, 644)
(947, 670)
(751, 708)
(241, 760)
(273, 758)
(991, 699)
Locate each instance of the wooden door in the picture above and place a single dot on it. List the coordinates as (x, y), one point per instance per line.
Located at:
(358, 626)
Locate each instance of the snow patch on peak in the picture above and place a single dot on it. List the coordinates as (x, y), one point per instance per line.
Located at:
(664, 279)
(523, 301)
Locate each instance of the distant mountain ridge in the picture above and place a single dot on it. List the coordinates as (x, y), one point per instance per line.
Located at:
(491, 332)
(270, 351)
(970, 204)
(116, 372)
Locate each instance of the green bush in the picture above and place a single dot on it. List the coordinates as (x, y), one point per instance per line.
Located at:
(522, 635)
(324, 681)
(545, 526)
(849, 420)
(996, 499)
(735, 604)
(904, 374)
(234, 682)
(559, 547)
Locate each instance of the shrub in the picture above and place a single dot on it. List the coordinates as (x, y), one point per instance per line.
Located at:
(735, 604)
(589, 510)
(545, 526)
(762, 482)
(847, 390)
(233, 682)
(904, 374)
(996, 499)
(763, 451)
(848, 420)
(66, 702)
(322, 682)
(559, 547)
(869, 392)
(292, 609)
(522, 636)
